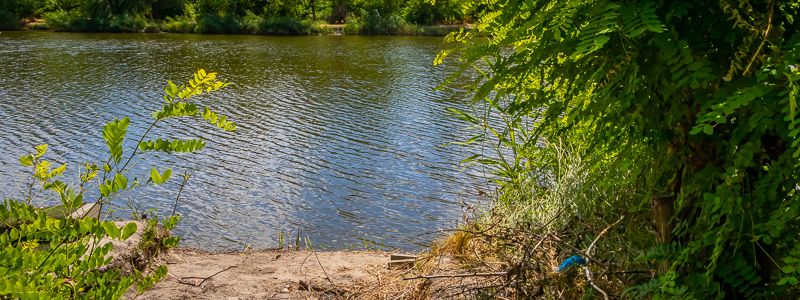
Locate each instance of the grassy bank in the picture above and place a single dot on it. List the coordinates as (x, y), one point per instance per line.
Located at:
(408, 17)
(251, 24)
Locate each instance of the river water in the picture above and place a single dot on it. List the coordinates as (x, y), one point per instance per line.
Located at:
(339, 138)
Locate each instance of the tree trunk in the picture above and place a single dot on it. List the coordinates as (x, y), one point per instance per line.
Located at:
(663, 207)
(313, 11)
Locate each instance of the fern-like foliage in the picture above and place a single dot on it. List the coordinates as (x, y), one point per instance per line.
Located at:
(168, 146)
(706, 92)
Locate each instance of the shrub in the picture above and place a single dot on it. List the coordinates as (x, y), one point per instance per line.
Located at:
(61, 20)
(48, 253)
(251, 23)
(8, 20)
(284, 26)
(214, 23)
(376, 24)
(122, 23)
(352, 26)
(181, 24)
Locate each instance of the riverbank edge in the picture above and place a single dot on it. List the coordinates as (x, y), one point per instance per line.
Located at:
(285, 273)
(326, 29)
(270, 273)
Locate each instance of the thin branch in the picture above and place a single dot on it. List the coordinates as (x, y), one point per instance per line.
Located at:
(589, 275)
(590, 278)
(186, 177)
(592, 259)
(766, 35)
(182, 280)
(591, 246)
(323, 270)
(476, 274)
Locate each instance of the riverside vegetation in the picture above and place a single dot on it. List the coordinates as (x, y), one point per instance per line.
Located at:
(45, 253)
(656, 139)
(408, 17)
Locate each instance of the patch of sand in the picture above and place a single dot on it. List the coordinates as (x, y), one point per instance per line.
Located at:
(276, 274)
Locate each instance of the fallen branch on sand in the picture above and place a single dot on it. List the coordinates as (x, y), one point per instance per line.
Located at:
(185, 280)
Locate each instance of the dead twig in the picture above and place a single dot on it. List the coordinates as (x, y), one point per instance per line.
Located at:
(184, 280)
(591, 246)
(589, 275)
(475, 274)
(583, 253)
(323, 270)
(590, 278)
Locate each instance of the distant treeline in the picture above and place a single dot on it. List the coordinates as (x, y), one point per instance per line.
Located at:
(238, 16)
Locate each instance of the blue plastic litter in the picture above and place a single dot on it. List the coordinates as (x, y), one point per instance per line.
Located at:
(575, 260)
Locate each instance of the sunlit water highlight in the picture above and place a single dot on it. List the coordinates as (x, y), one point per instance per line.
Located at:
(339, 137)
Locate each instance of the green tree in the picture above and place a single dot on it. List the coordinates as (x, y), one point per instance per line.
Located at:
(703, 93)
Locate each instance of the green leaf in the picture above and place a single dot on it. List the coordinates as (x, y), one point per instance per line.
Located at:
(160, 178)
(791, 280)
(218, 120)
(172, 146)
(171, 242)
(41, 150)
(128, 230)
(120, 182)
(58, 171)
(171, 222)
(114, 134)
(26, 160)
(789, 269)
(111, 229)
(105, 189)
(176, 109)
(707, 129)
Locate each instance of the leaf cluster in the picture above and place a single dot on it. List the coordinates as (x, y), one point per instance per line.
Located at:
(63, 251)
(695, 100)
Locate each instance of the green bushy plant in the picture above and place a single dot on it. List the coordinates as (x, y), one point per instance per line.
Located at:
(60, 20)
(282, 25)
(352, 26)
(697, 100)
(214, 23)
(8, 20)
(376, 24)
(63, 251)
(124, 23)
(181, 24)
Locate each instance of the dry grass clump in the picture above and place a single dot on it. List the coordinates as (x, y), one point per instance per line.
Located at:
(486, 259)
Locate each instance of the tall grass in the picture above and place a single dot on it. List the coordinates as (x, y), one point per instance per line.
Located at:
(555, 199)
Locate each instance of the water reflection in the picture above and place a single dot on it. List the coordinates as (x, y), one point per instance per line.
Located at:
(338, 136)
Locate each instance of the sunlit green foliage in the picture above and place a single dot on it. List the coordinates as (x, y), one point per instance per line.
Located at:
(693, 100)
(238, 16)
(64, 252)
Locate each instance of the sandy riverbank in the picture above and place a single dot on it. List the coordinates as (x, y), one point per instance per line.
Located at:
(274, 274)
(290, 274)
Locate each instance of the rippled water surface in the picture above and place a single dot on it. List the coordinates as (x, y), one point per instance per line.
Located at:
(339, 137)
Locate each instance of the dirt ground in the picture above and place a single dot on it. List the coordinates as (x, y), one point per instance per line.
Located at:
(276, 274)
